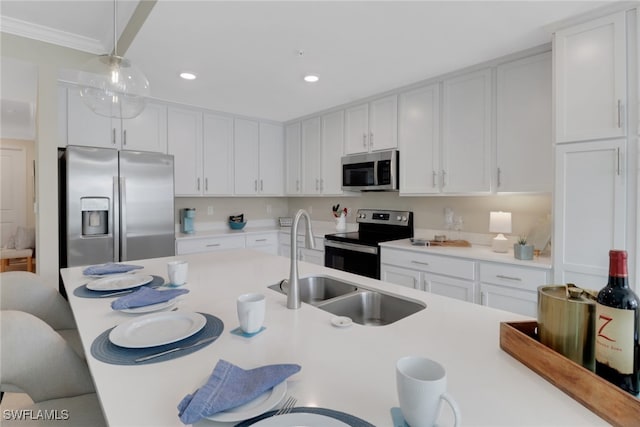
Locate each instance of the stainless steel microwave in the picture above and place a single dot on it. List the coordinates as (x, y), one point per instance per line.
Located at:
(376, 171)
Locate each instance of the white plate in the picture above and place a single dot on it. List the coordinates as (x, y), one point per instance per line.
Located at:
(300, 419)
(258, 406)
(149, 308)
(155, 329)
(125, 281)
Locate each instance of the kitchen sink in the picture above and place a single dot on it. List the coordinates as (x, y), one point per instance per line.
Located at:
(372, 308)
(316, 289)
(363, 306)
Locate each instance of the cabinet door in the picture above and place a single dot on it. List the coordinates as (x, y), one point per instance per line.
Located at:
(246, 156)
(466, 133)
(88, 128)
(509, 299)
(524, 141)
(312, 256)
(293, 156)
(332, 148)
(217, 155)
(184, 131)
(383, 123)
(356, 129)
(449, 287)
(590, 204)
(271, 159)
(311, 156)
(400, 276)
(148, 131)
(590, 79)
(419, 140)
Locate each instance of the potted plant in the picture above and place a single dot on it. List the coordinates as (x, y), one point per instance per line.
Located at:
(521, 250)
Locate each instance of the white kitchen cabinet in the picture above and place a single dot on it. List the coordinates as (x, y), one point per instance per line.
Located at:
(372, 126)
(419, 140)
(451, 287)
(314, 256)
(217, 155)
(400, 276)
(293, 158)
(524, 135)
(466, 133)
(311, 157)
(311, 255)
(590, 79)
(258, 158)
(590, 203)
(264, 242)
(511, 287)
(332, 137)
(185, 143)
(209, 244)
(146, 132)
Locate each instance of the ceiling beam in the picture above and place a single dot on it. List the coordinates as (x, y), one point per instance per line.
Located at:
(133, 26)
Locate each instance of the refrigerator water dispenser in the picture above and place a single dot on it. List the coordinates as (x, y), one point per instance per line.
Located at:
(95, 215)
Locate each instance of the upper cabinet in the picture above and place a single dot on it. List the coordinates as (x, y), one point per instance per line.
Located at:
(332, 145)
(466, 133)
(524, 135)
(590, 80)
(311, 162)
(259, 157)
(293, 156)
(217, 155)
(147, 132)
(419, 140)
(185, 143)
(372, 126)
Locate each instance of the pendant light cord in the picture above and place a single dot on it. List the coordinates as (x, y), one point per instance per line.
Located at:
(115, 39)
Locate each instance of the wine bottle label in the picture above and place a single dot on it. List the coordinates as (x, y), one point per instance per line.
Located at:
(614, 338)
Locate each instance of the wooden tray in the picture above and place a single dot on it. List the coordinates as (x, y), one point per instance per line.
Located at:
(456, 243)
(603, 398)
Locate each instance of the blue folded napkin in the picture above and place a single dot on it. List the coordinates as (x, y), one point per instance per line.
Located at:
(145, 296)
(230, 386)
(109, 268)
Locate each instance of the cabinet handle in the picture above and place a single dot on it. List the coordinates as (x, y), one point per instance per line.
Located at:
(364, 140)
(483, 298)
(413, 261)
(124, 137)
(502, 276)
(619, 113)
(370, 139)
(260, 240)
(255, 185)
(213, 245)
(113, 136)
(618, 161)
(206, 184)
(434, 174)
(261, 185)
(444, 174)
(198, 184)
(499, 177)
(297, 185)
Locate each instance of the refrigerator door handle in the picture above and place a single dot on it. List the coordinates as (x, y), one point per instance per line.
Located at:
(123, 219)
(115, 219)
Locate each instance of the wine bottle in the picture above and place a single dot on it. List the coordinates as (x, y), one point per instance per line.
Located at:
(617, 321)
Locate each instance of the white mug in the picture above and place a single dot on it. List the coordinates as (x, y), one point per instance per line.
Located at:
(422, 385)
(251, 309)
(177, 272)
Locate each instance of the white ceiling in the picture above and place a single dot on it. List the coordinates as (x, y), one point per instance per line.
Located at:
(246, 54)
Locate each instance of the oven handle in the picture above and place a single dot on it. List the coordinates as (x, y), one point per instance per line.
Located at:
(351, 247)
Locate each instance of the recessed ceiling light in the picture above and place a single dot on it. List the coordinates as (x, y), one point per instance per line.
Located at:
(311, 78)
(188, 76)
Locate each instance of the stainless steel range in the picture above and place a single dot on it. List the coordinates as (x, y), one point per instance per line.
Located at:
(359, 251)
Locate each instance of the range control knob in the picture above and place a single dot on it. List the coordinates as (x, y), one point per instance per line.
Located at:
(399, 218)
(404, 218)
(362, 215)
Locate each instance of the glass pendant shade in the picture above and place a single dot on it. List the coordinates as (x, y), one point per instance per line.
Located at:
(113, 87)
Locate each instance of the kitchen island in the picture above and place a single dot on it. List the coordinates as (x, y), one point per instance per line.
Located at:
(348, 369)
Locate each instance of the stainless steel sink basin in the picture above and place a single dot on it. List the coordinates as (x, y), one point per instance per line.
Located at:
(372, 308)
(316, 289)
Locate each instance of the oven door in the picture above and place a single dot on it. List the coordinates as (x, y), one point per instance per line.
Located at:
(354, 258)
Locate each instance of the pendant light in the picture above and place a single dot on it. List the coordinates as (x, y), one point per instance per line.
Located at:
(111, 86)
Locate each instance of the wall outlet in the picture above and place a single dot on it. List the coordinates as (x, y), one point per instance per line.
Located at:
(209, 210)
(269, 208)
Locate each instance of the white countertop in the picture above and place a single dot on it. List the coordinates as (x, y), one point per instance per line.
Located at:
(319, 228)
(475, 252)
(346, 369)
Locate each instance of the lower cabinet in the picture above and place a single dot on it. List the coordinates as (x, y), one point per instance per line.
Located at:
(314, 256)
(265, 242)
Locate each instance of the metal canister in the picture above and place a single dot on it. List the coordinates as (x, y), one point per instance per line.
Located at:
(566, 322)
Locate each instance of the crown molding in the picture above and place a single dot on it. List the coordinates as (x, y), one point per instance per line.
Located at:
(45, 34)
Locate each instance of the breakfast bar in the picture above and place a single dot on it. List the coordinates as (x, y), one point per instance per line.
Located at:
(344, 368)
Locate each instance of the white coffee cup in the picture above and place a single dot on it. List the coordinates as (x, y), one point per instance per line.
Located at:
(251, 309)
(422, 385)
(177, 272)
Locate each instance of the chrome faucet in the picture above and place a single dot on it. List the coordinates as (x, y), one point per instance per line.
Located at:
(293, 296)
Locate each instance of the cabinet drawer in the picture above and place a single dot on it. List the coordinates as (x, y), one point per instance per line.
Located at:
(513, 276)
(262, 239)
(449, 266)
(192, 246)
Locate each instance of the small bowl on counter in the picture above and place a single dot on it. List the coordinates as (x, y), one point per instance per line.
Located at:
(237, 225)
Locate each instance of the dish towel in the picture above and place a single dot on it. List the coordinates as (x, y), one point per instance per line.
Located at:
(230, 386)
(145, 296)
(109, 268)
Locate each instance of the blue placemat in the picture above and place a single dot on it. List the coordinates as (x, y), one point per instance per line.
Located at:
(105, 351)
(340, 416)
(398, 418)
(238, 331)
(83, 292)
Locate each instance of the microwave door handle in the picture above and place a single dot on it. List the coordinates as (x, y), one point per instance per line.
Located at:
(375, 173)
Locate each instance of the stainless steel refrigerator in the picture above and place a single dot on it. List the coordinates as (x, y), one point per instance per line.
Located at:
(115, 205)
